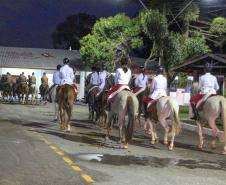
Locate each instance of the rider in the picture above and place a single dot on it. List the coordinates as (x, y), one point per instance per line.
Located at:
(208, 85)
(102, 77)
(158, 87)
(67, 75)
(32, 80)
(122, 79)
(22, 79)
(141, 81)
(92, 80)
(56, 77)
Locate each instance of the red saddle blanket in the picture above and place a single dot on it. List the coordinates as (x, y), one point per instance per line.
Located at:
(138, 90)
(115, 90)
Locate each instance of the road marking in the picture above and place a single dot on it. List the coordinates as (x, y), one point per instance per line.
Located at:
(67, 160)
(87, 178)
(53, 147)
(60, 153)
(76, 168)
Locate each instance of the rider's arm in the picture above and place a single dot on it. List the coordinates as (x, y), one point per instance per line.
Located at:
(116, 76)
(216, 85)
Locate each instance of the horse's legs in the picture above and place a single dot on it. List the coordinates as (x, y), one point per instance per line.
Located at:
(151, 131)
(200, 131)
(215, 130)
(164, 124)
(109, 125)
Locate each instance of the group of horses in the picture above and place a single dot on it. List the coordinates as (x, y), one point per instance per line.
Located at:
(13, 89)
(128, 108)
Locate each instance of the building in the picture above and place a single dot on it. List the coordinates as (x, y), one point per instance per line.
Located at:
(28, 60)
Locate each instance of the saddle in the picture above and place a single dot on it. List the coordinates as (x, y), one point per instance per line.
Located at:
(138, 90)
(200, 104)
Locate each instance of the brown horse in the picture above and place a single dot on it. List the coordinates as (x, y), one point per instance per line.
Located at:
(23, 91)
(43, 89)
(66, 96)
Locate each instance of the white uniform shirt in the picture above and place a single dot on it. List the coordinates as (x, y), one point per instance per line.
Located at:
(66, 75)
(94, 80)
(141, 80)
(121, 77)
(159, 87)
(102, 79)
(208, 84)
(56, 78)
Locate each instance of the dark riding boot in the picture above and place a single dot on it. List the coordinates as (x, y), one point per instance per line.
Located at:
(195, 112)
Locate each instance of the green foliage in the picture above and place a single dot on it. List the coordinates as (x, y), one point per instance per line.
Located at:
(191, 13)
(154, 25)
(110, 36)
(218, 26)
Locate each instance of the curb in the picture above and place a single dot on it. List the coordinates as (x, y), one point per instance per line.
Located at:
(206, 131)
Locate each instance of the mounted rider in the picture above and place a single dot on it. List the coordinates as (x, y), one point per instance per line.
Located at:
(208, 86)
(158, 88)
(67, 75)
(102, 77)
(44, 82)
(22, 79)
(122, 79)
(140, 82)
(32, 80)
(56, 78)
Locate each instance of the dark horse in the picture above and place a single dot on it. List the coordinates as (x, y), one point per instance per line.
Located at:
(44, 89)
(92, 102)
(66, 96)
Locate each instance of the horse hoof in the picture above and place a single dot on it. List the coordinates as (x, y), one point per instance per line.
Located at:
(170, 148)
(152, 142)
(200, 147)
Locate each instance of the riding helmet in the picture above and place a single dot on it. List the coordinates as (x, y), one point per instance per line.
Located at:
(58, 67)
(160, 69)
(208, 67)
(66, 61)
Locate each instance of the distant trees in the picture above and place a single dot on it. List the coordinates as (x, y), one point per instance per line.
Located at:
(69, 32)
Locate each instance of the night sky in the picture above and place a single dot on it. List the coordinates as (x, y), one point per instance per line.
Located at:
(29, 23)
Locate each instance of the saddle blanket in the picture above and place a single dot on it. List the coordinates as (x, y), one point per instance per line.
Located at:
(200, 99)
(115, 90)
(138, 90)
(95, 86)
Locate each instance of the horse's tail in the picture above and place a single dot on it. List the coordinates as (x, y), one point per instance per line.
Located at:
(223, 112)
(176, 125)
(132, 109)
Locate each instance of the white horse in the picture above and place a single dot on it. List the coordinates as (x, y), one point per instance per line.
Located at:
(214, 107)
(52, 93)
(125, 103)
(167, 108)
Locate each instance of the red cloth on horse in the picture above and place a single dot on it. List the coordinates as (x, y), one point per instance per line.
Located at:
(135, 90)
(115, 89)
(147, 100)
(194, 100)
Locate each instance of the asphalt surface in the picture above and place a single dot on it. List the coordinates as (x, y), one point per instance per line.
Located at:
(34, 151)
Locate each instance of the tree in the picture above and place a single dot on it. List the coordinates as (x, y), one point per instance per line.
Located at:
(155, 26)
(191, 13)
(111, 38)
(218, 27)
(69, 32)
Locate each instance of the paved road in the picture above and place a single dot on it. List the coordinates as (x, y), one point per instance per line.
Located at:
(34, 151)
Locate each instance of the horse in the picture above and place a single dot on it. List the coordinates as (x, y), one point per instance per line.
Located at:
(7, 88)
(92, 102)
(166, 108)
(52, 93)
(101, 101)
(125, 103)
(66, 96)
(43, 89)
(23, 91)
(212, 109)
(34, 93)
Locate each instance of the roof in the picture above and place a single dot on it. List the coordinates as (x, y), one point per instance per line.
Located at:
(218, 62)
(37, 58)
